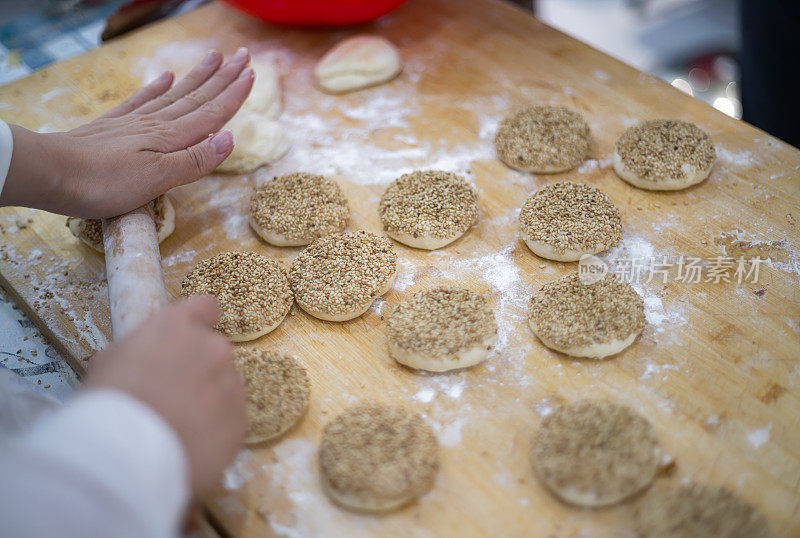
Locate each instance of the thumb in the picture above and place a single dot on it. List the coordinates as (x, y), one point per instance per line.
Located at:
(203, 309)
(190, 164)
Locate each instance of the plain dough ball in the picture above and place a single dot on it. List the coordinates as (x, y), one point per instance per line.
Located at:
(90, 231)
(259, 138)
(594, 453)
(358, 62)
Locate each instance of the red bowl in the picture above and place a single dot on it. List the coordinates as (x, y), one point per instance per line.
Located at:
(316, 12)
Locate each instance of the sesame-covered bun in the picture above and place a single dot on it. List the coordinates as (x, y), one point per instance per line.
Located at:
(253, 292)
(295, 209)
(664, 155)
(339, 276)
(564, 221)
(543, 139)
(428, 209)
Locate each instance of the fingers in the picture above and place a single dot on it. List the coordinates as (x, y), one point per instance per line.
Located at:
(211, 116)
(148, 93)
(190, 164)
(203, 309)
(209, 90)
(196, 77)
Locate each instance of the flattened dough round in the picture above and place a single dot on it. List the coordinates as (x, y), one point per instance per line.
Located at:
(442, 329)
(339, 276)
(692, 510)
(587, 320)
(543, 139)
(358, 62)
(90, 231)
(278, 391)
(664, 155)
(296, 209)
(376, 458)
(566, 220)
(253, 291)
(428, 209)
(593, 453)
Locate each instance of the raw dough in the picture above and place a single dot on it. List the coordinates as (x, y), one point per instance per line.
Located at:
(593, 453)
(442, 329)
(296, 209)
(429, 209)
(587, 320)
(339, 276)
(693, 511)
(253, 291)
(664, 155)
(376, 458)
(90, 231)
(259, 138)
(564, 221)
(543, 139)
(278, 390)
(358, 62)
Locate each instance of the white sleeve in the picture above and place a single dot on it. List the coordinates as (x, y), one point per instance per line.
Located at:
(103, 465)
(6, 149)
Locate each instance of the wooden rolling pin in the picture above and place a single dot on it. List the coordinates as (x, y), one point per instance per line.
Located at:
(133, 267)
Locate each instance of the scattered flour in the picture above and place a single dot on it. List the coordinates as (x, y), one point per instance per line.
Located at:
(760, 436)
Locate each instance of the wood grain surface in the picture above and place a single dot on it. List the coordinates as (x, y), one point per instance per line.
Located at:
(715, 370)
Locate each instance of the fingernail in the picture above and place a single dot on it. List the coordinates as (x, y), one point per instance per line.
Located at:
(240, 55)
(163, 77)
(247, 72)
(222, 142)
(210, 57)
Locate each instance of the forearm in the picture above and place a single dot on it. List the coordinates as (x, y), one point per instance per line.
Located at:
(104, 465)
(37, 170)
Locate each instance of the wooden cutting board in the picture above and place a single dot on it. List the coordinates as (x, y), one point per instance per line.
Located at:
(716, 369)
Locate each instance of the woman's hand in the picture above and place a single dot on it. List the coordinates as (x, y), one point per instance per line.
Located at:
(183, 369)
(161, 137)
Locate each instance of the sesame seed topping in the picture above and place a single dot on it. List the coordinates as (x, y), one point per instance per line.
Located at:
(658, 150)
(277, 389)
(429, 204)
(300, 206)
(543, 138)
(601, 451)
(91, 230)
(378, 452)
(574, 314)
(571, 216)
(253, 290)
(441, 322)
(691, 510)
(342, 272)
